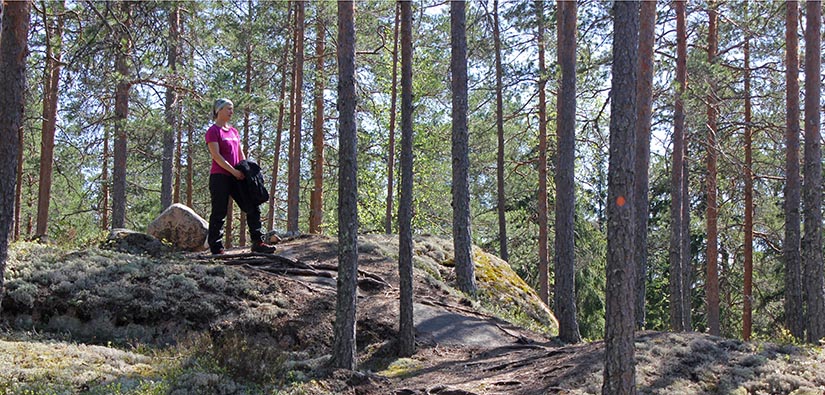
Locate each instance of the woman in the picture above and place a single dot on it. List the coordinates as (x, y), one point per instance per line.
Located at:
(224, 146)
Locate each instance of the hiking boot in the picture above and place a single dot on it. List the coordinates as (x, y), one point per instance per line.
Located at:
(262, 247)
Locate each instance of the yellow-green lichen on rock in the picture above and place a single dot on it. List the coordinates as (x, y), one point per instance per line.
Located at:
(498, 284)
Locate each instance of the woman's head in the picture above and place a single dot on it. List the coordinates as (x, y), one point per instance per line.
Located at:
(222, 105)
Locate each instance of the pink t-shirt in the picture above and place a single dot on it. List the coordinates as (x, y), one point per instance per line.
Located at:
(229, 144)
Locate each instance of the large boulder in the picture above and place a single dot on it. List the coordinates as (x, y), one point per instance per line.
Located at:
(182, 227)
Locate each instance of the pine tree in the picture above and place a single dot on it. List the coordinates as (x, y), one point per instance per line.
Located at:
(343, 350)
(565, 265)
(812, 184)
(462, 240)
(619, 365)
(644, 97)
(51, 86)
(406, 333)
(13, 52)
(712, 212)
(794, 318)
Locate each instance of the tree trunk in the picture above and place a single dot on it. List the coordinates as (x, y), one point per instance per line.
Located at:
(677, 294)
(406, 335)
(270, 218)
(190, 133)
(13, 53)
(178, 159)
(565, 265)
(316, 209)
(391, 144)
(124, 51)
(687, 267)
(171, 109)
(51, 85)
(544, 292)
(619, 365)
(294, 185)
(344, 347)
(712, 211)
(246, 113)
(18, 190)
(229, 237)
(794, 318)
(104, 177)
(748, 280)
(812, 184)
(190, 166)
(644, 98)
(502, 200)
(462, 240)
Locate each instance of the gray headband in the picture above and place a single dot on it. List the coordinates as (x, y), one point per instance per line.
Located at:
(220, 104)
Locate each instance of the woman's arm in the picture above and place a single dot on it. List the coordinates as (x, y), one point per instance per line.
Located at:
(215, 152)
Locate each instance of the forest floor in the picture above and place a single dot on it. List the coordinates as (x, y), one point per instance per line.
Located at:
(104, 322)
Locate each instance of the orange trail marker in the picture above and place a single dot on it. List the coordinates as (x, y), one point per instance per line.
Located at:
(620, 201)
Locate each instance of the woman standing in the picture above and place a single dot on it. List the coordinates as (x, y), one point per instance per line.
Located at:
(224, 146)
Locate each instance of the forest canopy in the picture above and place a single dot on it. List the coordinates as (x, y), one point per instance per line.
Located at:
(171, 60)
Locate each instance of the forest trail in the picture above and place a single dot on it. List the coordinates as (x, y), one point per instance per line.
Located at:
(464, 351)
(442, 322)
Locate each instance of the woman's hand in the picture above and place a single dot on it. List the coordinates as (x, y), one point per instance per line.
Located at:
(238, 174)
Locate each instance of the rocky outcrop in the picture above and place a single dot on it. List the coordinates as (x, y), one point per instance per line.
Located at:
(131, 242)
(180, 226)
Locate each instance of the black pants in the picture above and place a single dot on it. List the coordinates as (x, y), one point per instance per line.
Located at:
(221, 187)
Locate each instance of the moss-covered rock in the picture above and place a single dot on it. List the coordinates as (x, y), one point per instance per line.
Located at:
(500, 289)
(101, 296)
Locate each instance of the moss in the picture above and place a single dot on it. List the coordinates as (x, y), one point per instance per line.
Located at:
(402, 367)
(503, 292)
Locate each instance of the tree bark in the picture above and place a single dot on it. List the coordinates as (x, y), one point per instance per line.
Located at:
(294, 182)
(677, 295)
(246, 111)
(316, 209)
(270, 218)
(619, 365)
(123, 52)
(712, 211)
(748, 172)
(104, 177)
(794, 318)
(13, 53)
(406, 335)
(544, 288)
(51, 85)
(462, 240)
(178, 158)
(565, 263)
(344, 347)
(502, 198)
(190, 166)
(812, 184)
(229, 236)
(644, 97)
(18, 191)
(391, 144)
(169, 132)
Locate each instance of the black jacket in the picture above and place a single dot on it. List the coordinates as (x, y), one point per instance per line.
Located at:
(252, 189)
